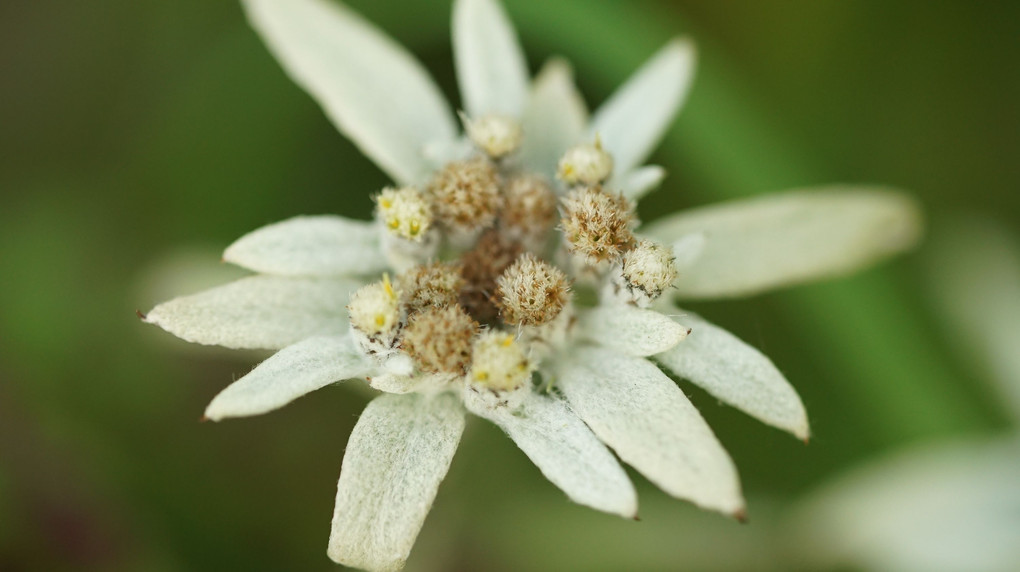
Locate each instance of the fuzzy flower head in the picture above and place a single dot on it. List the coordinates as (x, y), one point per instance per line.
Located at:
(404, 212)
(496, 135)
(586, 164)
(526, 292)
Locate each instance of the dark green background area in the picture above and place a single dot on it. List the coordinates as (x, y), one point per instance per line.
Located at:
(132, 132)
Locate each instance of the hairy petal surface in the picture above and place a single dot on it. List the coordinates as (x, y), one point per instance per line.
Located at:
(397, 455)
(639, 412)
(372, 89)
(491, 70)
(776, 240)
(290, 373)
(258, 312)
(629, 330)
(567, 453)
(324, 245)
(735, 373)
(554, 119)
(633, 120)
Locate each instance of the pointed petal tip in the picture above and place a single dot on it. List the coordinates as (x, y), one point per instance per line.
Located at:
(212, 413)
(140, 315)
(741, 515)
(803, 431)
(557, 65)
(683, 46)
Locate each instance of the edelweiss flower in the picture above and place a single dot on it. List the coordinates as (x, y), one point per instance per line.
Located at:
(506, 275)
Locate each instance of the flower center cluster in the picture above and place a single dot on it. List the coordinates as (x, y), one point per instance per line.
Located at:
(478, 299)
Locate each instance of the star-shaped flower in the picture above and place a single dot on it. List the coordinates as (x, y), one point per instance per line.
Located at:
(506, 275)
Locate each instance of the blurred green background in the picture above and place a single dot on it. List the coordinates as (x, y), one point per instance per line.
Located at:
(140, 138)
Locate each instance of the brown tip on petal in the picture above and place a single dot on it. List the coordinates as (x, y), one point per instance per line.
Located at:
(140, 315)
(689, 330)
(807, 440)
(203, 419)
(741, 516)
(636, 518)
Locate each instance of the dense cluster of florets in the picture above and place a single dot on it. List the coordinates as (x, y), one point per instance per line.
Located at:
(477, 298)
(597, 225)
(531, 292)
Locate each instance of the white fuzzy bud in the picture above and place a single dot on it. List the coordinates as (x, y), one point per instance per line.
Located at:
(375, 317)
(498, 362)
(644, 273)
(586, 164)
(497, 135)
(404, 212)
(499, 373)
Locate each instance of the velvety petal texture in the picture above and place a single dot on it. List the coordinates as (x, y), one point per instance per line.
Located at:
(396, 457)
(554, 119)
(568, 454)
(491, 70)
(629, 330)
(735, 373)
(310, 246)
(789, 238)
(633, 120)
(639, 412)
(290, 373)
(258, 312)
(370, 87)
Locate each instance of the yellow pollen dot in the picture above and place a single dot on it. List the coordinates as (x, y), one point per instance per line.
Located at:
(388, 286)
(385, 203)
(415, 227)
(380, 319)
(508, 341)
(393, 223)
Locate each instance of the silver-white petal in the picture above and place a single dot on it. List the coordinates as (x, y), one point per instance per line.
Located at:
(637, 183)
(397, 455)
(735, 373)
(939, 507)
(974, 281)
(789, 238)
(554, 119)
(629, 330)
(643, 416)
(325, 245)
(258, 312)
(687, 250)
(290, 373)
(492, 72)
(372, 89)
(567, 453)
(633, 120)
